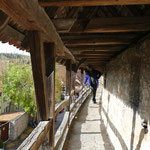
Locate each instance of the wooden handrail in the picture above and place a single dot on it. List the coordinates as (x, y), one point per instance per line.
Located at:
(63, 127)
(61, 105)
(37, 136)
(61, 130)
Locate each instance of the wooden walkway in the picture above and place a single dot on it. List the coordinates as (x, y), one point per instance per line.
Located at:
(88, 131)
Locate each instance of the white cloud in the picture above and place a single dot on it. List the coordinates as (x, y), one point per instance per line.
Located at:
(6, 48)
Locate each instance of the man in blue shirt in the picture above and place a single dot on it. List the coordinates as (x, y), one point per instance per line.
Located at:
(92, 77)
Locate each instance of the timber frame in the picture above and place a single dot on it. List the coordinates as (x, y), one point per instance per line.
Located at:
(72, 33)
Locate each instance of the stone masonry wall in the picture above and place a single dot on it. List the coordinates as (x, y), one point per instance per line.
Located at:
(126, 98)
(18, 125)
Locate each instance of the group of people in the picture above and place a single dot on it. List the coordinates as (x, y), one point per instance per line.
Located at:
(92, 77)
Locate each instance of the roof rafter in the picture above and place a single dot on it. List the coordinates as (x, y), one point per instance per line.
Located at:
(31, 16)
(92, 2)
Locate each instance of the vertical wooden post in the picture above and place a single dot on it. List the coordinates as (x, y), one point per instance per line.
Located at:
(82, 76)
(68, 84)
(68, 76)
(73, 76)
(38, 67)
(50, 58)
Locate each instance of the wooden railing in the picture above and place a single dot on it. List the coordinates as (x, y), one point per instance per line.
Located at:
(36, 138)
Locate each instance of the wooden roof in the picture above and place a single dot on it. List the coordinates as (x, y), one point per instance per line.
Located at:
(94, 31)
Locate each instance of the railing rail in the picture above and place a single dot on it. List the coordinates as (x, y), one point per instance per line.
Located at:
(36, 138)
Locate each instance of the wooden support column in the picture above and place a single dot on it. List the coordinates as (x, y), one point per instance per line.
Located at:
(82, 76)
(38, 67)
(74, 71)
(68, 76)
(43, 66)
(50, 59)
(68, 84)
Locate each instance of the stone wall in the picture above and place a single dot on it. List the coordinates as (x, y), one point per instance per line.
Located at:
(126, 98)
(18, 125)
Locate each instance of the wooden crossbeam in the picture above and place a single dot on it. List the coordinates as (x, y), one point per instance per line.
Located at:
(105, 25)
(98, 41)
(77, 36)
(93, 52)
(92, 56)
(96, 48)
(12, 33)
(92, 2)
(118, 24)
(63, 25)
(31, 16)
(4, 20)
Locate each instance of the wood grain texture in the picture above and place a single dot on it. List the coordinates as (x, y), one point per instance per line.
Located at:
(31, 16)
(92, 2)
(39, 74)
(37, 136)
(118, 24)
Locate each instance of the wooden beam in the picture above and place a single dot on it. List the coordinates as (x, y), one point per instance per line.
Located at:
(111, 25)
(94, 60)
(4, 20)
(68, 76)
(92, 2)
(96, 48)
(118, 24)
(50, 58)
(77, 36)
(37, 136)
(63, 25)
(98, 41)
(38, 67)
(61, 105)
(31, 16)
(68, 83)
(93, 52)
(12, 33)
(92, 56)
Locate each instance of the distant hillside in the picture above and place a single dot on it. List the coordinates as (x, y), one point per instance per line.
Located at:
(7, 56)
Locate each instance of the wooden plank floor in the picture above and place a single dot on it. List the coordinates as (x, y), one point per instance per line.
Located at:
(88, 131)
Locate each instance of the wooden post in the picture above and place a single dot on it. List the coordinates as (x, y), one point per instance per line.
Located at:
(68, 83)
(74, 71)
(50, 58)
(38, 67)
(82, 76)
(68, 76)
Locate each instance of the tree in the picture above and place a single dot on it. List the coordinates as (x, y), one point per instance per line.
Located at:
(59, 81)
(19, 88)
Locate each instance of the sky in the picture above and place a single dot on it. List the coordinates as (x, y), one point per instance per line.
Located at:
(6, 48)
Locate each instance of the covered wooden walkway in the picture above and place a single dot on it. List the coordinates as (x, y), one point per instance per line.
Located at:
(76, 34)
(88, 131)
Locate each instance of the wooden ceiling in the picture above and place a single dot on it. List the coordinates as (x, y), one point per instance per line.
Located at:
(95, 31)
(92, 31)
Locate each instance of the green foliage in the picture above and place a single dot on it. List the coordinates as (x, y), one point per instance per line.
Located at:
(1, 144)
(59, 82)
(18, 86)
(7, 56)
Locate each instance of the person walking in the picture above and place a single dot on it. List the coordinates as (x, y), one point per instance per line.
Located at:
(92, 77)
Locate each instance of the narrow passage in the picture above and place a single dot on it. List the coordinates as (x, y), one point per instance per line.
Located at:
(88, 131)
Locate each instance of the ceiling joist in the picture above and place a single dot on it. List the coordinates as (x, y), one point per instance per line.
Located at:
(92, 2)
(31, 16)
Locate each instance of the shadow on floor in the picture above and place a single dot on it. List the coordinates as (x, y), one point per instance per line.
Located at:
(75, 128)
